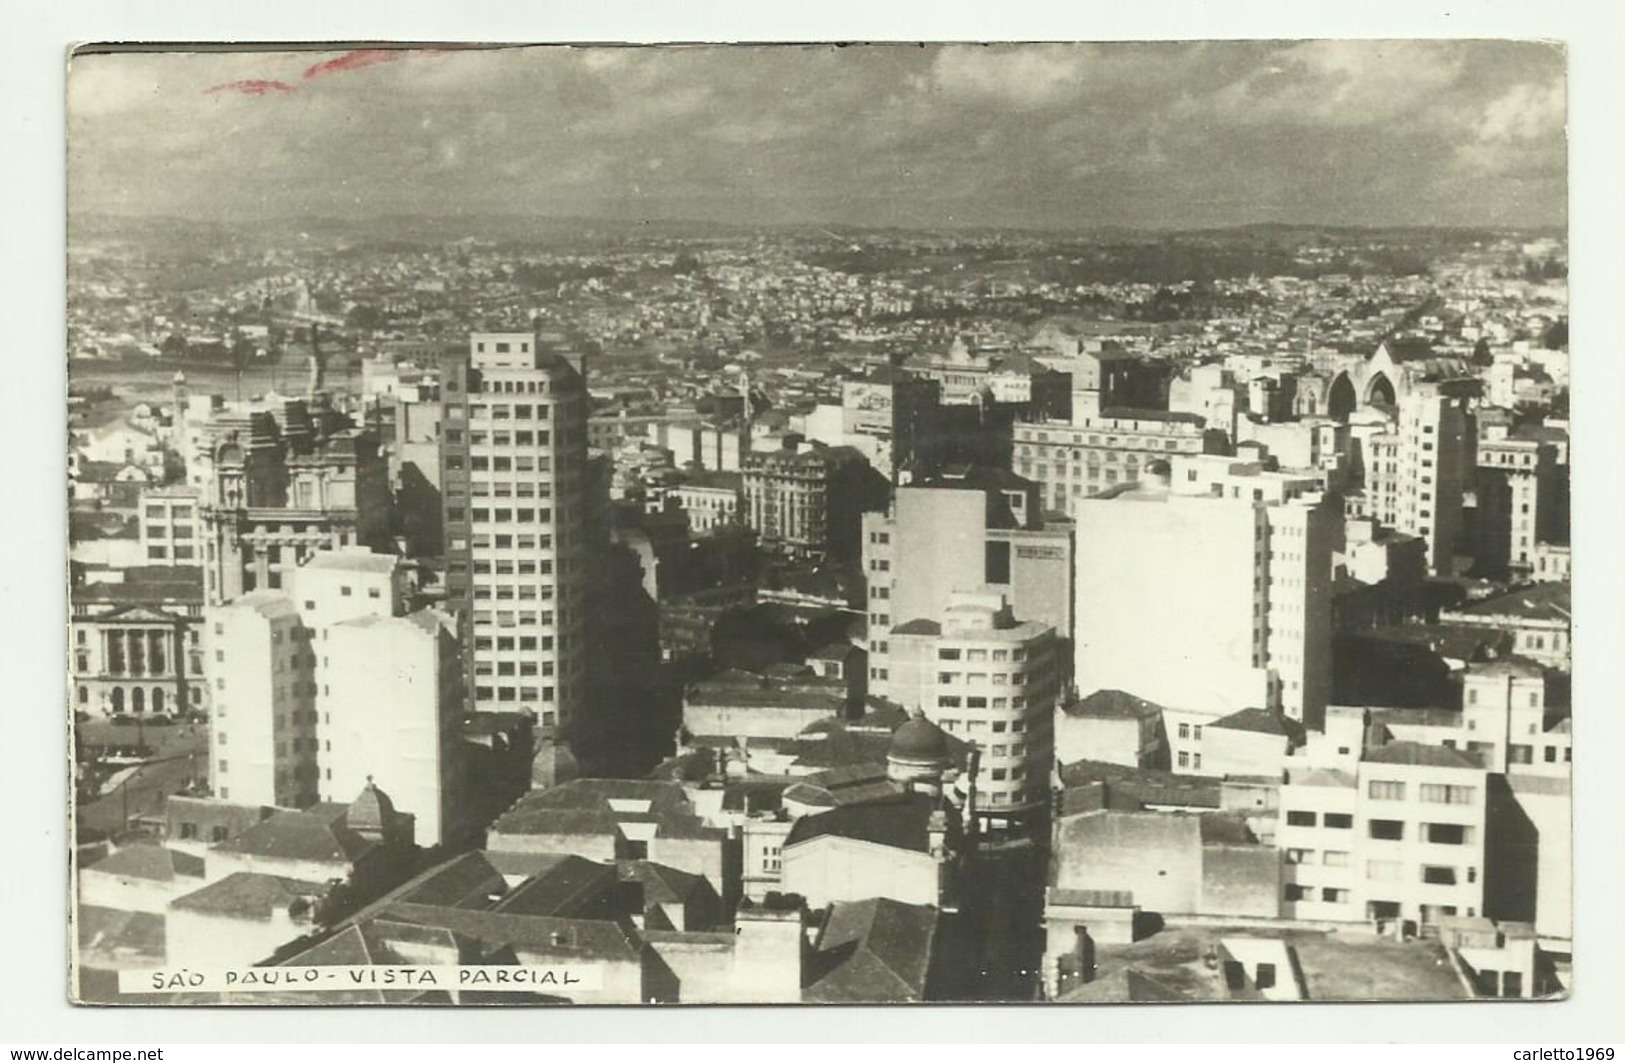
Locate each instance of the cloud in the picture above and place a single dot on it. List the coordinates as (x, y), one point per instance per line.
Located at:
(1339, 84)
(1024, 77)
(1526, 111)
(1142, 133)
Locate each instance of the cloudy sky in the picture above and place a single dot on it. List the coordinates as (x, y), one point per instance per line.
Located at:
(1160, 135)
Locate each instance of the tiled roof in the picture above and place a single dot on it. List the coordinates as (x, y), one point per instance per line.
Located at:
(874, 951)
(1113, 704)
(899, 821)
(572, 887)
(1258, 721)
(318, 834)
(152, 862)
(1416, 753)
(250, 895)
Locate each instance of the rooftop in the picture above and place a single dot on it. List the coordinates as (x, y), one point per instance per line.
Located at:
(251, 895)
(1113, 704)
(318, 834)
(1418, 754)
(901, 821)
(873, 951)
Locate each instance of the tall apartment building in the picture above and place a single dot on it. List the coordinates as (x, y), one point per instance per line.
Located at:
(278, 486)
(330, 684)
(1518, 504)
(1402, 837)
(395, 691)
(809, 501)
(513, 467)
(1418, 469)
(262, 734)
(983, 676)
(964, 529)
(1210, 599)
(1101, 450)
(1304, 533)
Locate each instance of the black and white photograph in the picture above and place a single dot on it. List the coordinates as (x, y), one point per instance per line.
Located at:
(820, 524)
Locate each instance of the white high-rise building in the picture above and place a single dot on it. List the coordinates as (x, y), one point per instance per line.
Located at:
(393, 716)
(986, 677)
(1209, 601)
(514, 478)
(328, 684)
(262, 736)
(1417, 470)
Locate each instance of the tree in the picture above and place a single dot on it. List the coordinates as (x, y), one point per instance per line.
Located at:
(364, 317)
(1481, 352)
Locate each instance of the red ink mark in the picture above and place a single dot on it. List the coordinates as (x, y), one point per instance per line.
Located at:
(253, 87)
(356, 60)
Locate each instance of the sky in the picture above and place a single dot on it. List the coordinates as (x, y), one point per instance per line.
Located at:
(1064, 136)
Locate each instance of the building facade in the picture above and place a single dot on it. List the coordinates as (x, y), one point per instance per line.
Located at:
(263, 720)
(1101, 450)
(278, 486)
(1402, 838)
(809, 502)
(1419, 469)
(988, 679)
(964, 529)
(136, 645)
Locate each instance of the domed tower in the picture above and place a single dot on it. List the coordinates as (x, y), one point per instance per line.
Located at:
(918, 756)
(372, 815)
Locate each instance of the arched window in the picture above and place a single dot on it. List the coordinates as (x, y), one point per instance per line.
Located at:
(118, 699)
(157, 699)
(138, 700)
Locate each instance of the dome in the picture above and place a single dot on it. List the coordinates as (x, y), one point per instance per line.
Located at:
(370, 811)
(918, 740)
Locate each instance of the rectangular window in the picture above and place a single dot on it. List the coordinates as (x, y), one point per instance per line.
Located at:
(1446, 834)
(1441, 794)
(1301, 819)
(1385, 790)
(1387, 830)
(1438, 875)
(1382, 870)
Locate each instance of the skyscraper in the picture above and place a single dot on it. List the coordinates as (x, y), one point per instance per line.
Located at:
(1418, 469)
(513, 466)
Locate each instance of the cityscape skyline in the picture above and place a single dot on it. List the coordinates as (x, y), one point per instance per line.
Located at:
(1155, 135)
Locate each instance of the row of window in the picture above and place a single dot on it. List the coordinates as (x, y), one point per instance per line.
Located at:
(485, 643)
(498, 411)
(996, 678)
(1433, 793)
(509, 668)
(981, 654)
(955, 701)
(993, 726)
(507, 693)
(138, 698)
(500, 439)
